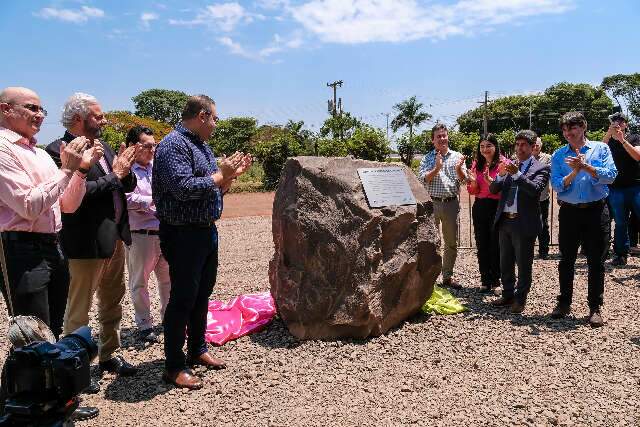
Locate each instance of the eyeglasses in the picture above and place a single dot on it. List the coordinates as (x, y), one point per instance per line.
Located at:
(33, 108)
(216, 119)
(147, 146)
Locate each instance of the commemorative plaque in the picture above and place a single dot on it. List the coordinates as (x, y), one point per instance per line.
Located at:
(386, 187)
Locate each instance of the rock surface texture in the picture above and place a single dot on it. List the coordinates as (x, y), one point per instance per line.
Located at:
(340, 268)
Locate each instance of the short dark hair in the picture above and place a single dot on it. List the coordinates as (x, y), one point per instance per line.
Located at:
(437, 127)
(195, 104)
(133, 136)
(527, 135)
(573, 118)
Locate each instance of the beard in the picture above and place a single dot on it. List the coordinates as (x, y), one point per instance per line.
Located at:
(93, 131)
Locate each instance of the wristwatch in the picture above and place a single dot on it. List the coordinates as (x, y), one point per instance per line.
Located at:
(83, 170)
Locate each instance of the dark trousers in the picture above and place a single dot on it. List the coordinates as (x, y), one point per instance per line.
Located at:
(516, 248)
(623, 201)
(543, 237)
(38, 276)
(591, 227)
(488, 249)
(192, 254)
(634, 229)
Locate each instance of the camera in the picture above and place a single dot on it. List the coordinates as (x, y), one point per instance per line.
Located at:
(42, 380)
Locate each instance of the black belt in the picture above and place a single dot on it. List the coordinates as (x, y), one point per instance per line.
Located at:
(26, 236)
(587, 205)
(148, 232)
(443, 199)
(510, 215)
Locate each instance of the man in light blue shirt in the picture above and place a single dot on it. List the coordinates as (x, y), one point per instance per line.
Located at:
(580, 173)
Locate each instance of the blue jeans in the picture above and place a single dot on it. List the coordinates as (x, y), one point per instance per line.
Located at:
(192, 255)
(622, 201)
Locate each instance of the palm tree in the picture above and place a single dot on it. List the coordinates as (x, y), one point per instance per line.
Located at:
(410, 115)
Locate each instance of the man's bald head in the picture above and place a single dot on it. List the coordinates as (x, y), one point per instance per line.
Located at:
(21, 111)
(16, 94)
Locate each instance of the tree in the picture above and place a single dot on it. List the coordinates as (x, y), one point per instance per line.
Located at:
(120, 122)
(368, 143)
(512, 112)
(161, 104)
(340, 126)
(272, 145)
(410, 115)
(233, 134)
(306, 138)
(625, 87)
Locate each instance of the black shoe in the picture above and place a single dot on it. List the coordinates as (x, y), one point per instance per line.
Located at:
(560, 311)
(84, 413)
(148, 335)
(117, 365)
(94, 387)
(595, 319)
(619, 260)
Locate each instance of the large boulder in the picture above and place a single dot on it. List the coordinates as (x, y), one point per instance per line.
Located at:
(340, 268)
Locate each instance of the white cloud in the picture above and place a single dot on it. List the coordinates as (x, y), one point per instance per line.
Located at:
(224, 16)
(364, 21)
(147, 17)
(77, 16)
(234, 47)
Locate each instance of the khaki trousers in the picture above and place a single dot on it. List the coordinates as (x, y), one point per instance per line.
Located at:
(446, 213)
(104, 277)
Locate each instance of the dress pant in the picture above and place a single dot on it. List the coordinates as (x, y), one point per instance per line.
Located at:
(488, 248)
(105, 278)
(143, 257)
(544, 237)
(516, 248)
(634, 229)
(591, 227)
(192, 254)
(446, 213)
(622, 201)
(39, 278)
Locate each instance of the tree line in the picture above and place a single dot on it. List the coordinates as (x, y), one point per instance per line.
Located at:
(344, 134)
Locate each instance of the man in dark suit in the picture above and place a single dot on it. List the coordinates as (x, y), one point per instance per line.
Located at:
(93, 236)
(518, 219)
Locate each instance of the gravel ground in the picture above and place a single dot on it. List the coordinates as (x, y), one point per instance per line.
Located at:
(484, 367)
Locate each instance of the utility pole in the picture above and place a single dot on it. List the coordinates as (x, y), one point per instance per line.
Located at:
(485, 119)
(387, 115)
(335, 106)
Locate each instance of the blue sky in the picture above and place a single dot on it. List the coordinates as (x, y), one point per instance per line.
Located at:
(271, 59)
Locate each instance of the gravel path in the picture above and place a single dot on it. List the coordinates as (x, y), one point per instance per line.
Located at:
(481, 368)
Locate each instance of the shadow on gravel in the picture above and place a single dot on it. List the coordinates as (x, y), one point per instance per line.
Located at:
(143, 386)
(635, 341)
(275, 335)
(481, 308)
(128, 338)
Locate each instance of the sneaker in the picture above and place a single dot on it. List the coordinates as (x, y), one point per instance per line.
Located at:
(560, 311)
(148, 335)
(595, 319)
(619, 260)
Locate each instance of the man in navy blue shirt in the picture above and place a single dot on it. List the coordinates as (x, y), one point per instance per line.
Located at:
(187, 188)
(580, 174)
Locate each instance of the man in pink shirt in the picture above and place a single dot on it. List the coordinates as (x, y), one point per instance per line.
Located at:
(33, 191)
(144, 255)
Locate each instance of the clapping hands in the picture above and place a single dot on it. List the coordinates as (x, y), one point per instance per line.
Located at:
(576, 163)
(235, 165)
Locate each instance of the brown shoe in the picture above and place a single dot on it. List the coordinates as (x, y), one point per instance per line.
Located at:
(450, 283)
(502, 301)
(206, 359)
(517, 307)
(183, 379)
(595, 319)
(560, 311)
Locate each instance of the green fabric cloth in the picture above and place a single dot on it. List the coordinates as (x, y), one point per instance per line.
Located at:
(442, 302)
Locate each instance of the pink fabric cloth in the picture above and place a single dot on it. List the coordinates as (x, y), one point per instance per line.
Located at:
(482, 189)
(240, 316)
(33, 190)
(142, 211)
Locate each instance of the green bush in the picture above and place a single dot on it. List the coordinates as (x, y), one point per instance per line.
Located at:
(551, 142)
(368, 143)
(329, 147)
(119, 123)
(596, 135)
(272, 146)
(233, 134)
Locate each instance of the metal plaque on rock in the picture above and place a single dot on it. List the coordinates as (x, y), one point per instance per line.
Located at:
(386, 187)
